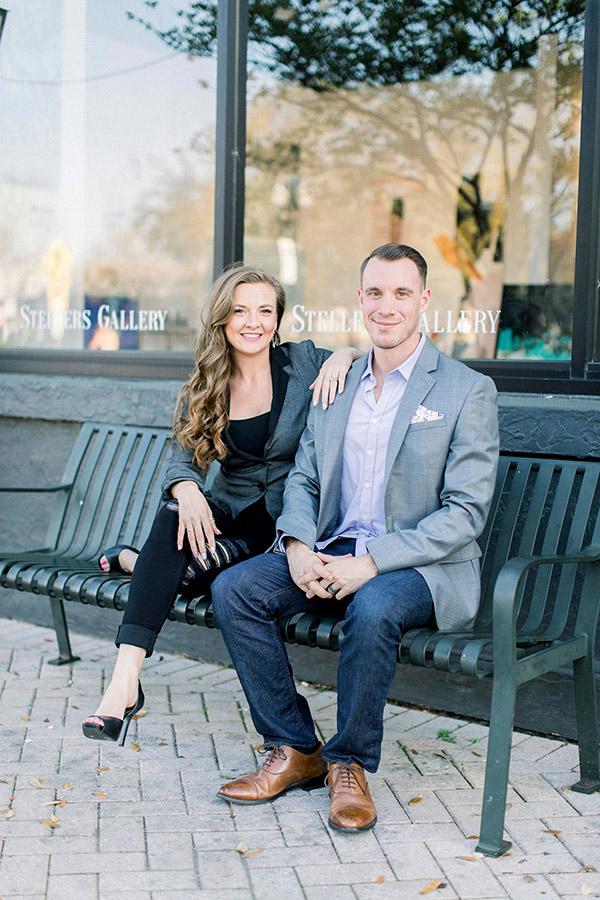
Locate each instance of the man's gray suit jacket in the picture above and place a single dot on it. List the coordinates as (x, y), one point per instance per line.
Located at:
(439, 480)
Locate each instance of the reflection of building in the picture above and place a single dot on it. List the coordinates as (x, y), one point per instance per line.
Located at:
(475, 194)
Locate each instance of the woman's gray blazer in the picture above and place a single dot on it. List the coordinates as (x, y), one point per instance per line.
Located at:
(242, 479)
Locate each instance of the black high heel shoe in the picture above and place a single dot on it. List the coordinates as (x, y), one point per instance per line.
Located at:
(112, 557)
(113, 729)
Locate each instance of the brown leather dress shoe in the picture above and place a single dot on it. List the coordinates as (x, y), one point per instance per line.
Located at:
(283, 769)
(352, 807)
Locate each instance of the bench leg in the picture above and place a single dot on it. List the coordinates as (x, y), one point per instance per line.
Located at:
(502, 715)
(62, 634)
(587, 726)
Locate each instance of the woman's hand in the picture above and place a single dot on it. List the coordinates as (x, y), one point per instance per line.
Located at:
(332, 375)
(195, 520)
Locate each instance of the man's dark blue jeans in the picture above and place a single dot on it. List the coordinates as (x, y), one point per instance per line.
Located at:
(250, 597)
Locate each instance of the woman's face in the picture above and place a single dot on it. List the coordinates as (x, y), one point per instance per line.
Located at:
(254, 320)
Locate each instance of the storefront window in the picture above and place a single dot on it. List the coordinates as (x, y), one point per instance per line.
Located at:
(106, 179)
(439, 125)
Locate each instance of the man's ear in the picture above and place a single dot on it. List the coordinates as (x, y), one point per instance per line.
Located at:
(425, 298)
(360, 297)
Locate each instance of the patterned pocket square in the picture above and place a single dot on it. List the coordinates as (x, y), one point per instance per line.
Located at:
(425, 415)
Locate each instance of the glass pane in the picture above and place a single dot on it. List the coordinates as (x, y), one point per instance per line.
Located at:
(106, 178)
(450, 126)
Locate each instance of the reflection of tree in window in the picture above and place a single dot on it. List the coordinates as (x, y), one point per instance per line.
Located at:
(421, 100)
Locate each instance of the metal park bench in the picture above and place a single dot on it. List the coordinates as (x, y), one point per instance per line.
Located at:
(540, 582)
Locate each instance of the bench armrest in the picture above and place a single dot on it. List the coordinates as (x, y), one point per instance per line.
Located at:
(36, 490)
(506, 591)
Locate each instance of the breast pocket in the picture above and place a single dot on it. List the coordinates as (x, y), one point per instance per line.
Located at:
(425, 426)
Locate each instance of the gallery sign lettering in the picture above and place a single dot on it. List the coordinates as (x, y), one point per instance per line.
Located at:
(103, 317)
(330, 321)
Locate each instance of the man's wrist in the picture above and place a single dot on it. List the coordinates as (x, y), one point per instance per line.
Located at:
(288, 543)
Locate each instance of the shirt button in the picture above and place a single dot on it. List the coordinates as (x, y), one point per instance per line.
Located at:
(369, 453)
(367, 484)
(374, 421)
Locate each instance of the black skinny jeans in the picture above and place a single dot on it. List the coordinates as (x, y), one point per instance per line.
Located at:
(162, 571)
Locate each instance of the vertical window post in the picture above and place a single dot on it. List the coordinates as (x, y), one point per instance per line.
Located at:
(587, 259)
(232, 38)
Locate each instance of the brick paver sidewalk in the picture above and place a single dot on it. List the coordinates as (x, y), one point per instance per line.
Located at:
(86, 821)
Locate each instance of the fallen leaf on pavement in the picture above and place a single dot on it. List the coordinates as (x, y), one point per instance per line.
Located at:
(35, 782)
(135, 747)
(588, 869)
(161, 743)
(6, 780)
(68, 786)
(475, 753)
(25, 718)
(432, 886)
(586, 888)
(100, 794)
(242, 847)
(251, 853)
(473, 837)
(141, 714)
(103, 769)
(10, 814)
(551, 831)
(49, 824)
(58, 802)
(380, 880)
(529, 879)
(469, 858)
(53, 818)
(414, 801)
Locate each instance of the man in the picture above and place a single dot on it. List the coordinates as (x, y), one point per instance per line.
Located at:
(390, 489)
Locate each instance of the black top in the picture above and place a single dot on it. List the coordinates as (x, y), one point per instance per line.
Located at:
(250, 435)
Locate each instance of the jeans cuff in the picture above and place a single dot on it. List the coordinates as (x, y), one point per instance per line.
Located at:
(136, 636)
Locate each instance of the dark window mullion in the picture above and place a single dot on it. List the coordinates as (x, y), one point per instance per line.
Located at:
(587, 269)
(232, 40)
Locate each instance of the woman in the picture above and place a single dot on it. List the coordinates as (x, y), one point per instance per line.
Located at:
(246, 405)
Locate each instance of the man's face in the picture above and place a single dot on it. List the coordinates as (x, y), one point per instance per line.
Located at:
(392, 299)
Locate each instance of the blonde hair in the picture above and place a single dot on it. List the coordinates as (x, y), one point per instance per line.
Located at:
(201, 414)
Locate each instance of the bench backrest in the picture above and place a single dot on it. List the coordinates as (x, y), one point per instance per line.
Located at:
(116, 473)
(540, 507)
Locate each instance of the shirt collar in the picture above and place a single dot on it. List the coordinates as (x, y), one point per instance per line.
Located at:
(405, 369)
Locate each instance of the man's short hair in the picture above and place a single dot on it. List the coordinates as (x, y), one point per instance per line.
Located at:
(392, 252)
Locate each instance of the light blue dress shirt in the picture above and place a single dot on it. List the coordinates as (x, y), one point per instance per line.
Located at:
(362, 506)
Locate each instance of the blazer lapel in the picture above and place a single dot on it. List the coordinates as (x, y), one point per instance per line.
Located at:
(330, 450)
(419, 384)
(281, 368)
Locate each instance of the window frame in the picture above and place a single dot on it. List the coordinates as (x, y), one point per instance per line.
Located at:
(579, 376)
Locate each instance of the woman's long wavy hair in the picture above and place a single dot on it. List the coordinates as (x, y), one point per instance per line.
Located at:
(201, 414)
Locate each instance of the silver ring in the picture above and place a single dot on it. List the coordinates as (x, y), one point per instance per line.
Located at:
(334, 379)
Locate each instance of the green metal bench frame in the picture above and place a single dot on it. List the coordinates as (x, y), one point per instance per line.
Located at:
(540, 582)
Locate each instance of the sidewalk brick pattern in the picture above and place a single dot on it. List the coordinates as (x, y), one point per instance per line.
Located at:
(88, 821)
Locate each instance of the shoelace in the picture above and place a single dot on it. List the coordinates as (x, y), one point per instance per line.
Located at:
(274, 753)
(347, 775)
